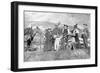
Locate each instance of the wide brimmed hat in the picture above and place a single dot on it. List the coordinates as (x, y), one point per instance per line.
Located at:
(66, 25)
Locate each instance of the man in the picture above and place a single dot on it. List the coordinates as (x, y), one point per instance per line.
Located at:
(76, 35)
(65, 33)
(85, 36)
(64, 39)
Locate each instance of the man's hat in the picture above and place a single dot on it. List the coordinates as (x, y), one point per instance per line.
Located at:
(66, 25)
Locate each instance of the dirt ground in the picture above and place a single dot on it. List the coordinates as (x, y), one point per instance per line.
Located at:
(56, 55)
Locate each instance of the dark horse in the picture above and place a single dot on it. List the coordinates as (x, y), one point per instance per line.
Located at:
(29, 41)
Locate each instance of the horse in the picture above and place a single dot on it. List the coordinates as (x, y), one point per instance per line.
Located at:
(30, 39)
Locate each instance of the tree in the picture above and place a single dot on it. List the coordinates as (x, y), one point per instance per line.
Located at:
(28, 31)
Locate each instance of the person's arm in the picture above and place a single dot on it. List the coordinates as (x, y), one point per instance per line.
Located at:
(63, 30)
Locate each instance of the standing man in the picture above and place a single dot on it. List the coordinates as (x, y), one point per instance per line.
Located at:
(76, 35)
(65, 35)
(85, 36)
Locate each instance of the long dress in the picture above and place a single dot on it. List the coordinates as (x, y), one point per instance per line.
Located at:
(57, 43)
(48, 41)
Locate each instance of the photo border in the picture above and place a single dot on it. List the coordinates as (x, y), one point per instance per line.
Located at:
(14, 35)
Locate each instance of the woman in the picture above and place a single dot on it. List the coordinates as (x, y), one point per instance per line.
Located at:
(57, 42)
(48, 42)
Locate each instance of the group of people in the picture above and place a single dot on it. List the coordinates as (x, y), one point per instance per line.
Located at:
(55, 41)
(55, 38)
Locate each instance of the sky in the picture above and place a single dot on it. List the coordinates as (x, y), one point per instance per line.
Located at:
(56, 17)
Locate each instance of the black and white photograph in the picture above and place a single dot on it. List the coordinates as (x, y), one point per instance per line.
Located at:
(53, 36)
(56, 36)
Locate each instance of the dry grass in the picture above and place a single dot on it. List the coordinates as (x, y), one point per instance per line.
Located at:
(56, 55)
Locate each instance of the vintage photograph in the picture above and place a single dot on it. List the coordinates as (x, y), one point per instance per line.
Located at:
(48, 36)
(56, 36)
